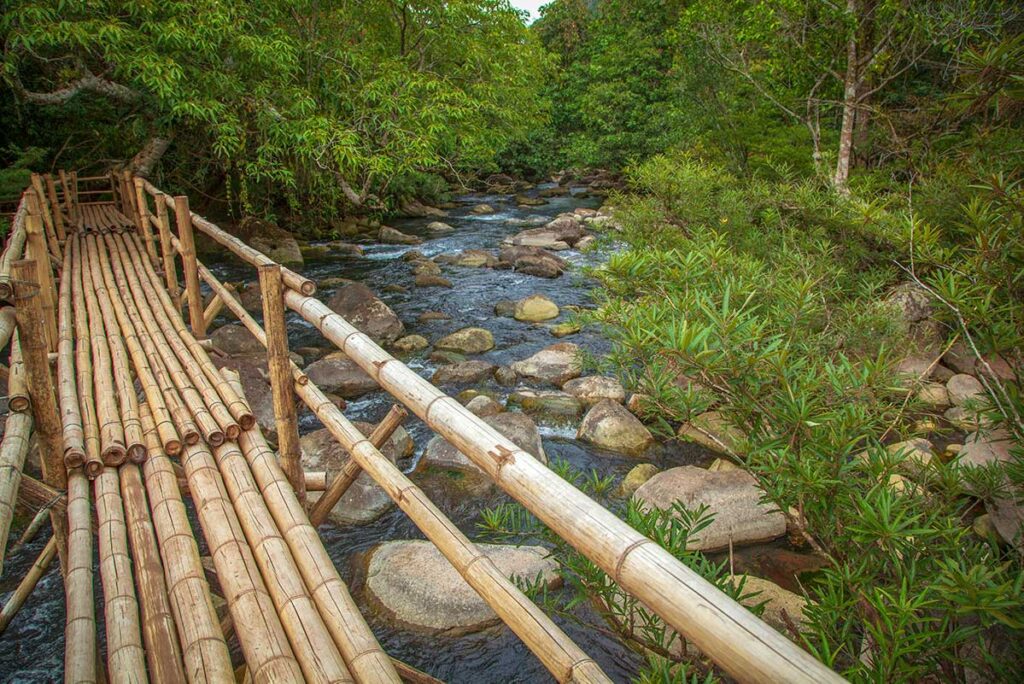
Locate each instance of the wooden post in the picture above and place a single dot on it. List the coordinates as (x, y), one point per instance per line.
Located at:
(74, 193)
(32, 335)
(143, 222)
(58, 216)
(350, 471)
(167, 250)
(68, 197)
(279, 366)
(188, 259)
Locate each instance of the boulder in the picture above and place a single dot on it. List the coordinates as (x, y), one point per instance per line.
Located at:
(364, 501)
(392, 236)
(235, 339)
(564, 329)
(395, 288)
(251, 297)
(419, 588)
(732, 496)
(517, 427)
(783, 609)
(410, 343)
(439, 227)
(965, 388)
(357, 304)
(483, 406)
(967, 419)
(913, 454)
(462, 373)
(314, 251)
(535, 308)
(276, 242)
(416, 209)
(474, 258)
(712, 431)
(467, 341)
(983, 448)
(527, 201)
(341, 247)
(556, 364)
(553, 405)
(338, 374)
(561, 233)
(594, 388)
(482, 209)
(427, 280)
(933, 395)
(505, 376)
(252, 373)
(506, 308)
(912, 302)
(532, 261)
(636, 477)
(610, 426)
(586, 243)
(425, 268)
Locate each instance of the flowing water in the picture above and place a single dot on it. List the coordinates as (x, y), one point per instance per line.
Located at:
(32, 648)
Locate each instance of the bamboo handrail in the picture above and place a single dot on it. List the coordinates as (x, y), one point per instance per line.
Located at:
(203, 648)
(14, 249)
(739, 642)
(27, 584)
(13, 451)
(18, 399)
(67, 386)
(80, 618)
(35, 249)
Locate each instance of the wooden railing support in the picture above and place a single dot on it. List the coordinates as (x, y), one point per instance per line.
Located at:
(188, 260)
(143, 222)
(43, 276)
(58, 215)
(167, 250)
(279, 366)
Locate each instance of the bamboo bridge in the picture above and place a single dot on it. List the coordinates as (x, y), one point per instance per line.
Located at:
(132, 417)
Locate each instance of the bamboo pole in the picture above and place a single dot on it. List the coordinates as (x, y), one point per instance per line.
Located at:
(13, 450)
(203, 648)
(257, 625)
(33, 495)
(71, 414)
(315, 650)
(18, 399)
(83, 363)
(80, 620)
(167, 250)
(74, 191)
(316, 480)
(14, 249)
(278, 366)
(743, 645)
(43, 209)
(155, 385)
(200, 399)
(28, 306)
(163, 655)
(351, 470)
(188, 260)
(112, 436)
(217, 392)
(125, 654)
(362, 653)
(142, 220)
(7, 325)
(134, 440)
(36, 250)
(69, 199)
(27, 584)
(58, 218)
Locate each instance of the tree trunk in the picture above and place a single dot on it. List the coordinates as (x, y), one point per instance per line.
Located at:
(143, 162)
(850, 83)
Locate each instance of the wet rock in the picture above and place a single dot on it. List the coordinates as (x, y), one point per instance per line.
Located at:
(517, 427)
(636, 477)
(392, 236)
(462, 373)
(533, 261)
(428, 316)
(561, 233)
(506, 308)
(314, 251)
(439, 227)
(732, 496)
(311, 354)
(418, 587)
(357, 304)
(548, 404)
(250, 296)
(482, 209)
(446, 357)
(586, 243)
(610, 426)
(338, 374)
(235, 338)
(467, 341)
(505, 376)
(365, 501)
(335, 281)
(564, 329)
(426, 280)
(426, 268)
(594, 388)
(585, 213)
(535, 308)
(394, 288)
(474, 258)
(527, 201)
(556, 364)
(933, 395)
(277, 243)
(484, 406)
(410, 343)
(340, 247)
(414, 255)
(416, 209)
(712, 431)
(965, 388)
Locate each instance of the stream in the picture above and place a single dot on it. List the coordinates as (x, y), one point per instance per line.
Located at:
(32, 648)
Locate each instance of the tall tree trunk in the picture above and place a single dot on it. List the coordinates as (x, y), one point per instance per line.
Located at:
(145, 159)
(850, 83)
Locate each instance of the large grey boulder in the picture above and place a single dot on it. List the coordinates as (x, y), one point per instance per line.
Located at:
(357, 304)
(560, 233)
(462, 373)
(610, 426)
(594, 388)
(364, 501)
(276, 242)
(338, 374)
(532, 261)
(732, 496)
(393, 236)
(556, 364)
(517, 427)
(417, 586)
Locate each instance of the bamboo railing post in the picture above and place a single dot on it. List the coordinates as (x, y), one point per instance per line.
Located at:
(68, 197)
(14, 249)
(58, 215)
(74, 194)
(80, 621)
(43, 209)
(351, 470)
(67, 386)
(44, 277)
(28, 583)
(279, 367)
(188, 259)
(142, 219)
(35, 355)
(13, 450)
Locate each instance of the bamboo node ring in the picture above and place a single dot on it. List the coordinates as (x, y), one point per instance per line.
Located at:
(625, 554)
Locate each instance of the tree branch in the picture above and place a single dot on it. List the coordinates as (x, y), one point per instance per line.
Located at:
(88, 83)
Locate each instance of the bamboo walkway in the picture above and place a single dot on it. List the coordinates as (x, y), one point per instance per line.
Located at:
(136, 418)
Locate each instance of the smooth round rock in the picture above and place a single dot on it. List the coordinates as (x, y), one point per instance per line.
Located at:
(593, 388)
(467, 341)
(610, 426)
(535, 308)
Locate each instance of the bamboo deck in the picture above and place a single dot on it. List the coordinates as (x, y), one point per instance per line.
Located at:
(137, 418)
